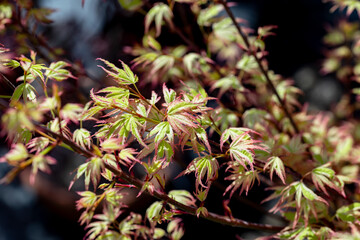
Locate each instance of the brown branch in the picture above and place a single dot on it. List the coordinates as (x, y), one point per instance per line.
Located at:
(265, 73)
(260, 65)
(163, 196)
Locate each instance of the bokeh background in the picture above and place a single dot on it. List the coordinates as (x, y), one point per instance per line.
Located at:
(101, 28)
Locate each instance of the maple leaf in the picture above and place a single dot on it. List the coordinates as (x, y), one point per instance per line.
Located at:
(158, 13)
(122, 77)
(276, 164)
(203, 166)
(242, 146)
(243, 179)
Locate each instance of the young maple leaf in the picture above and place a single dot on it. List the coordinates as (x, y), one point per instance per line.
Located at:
(158, 13)
(242, 146)
(276, 164)
(203, 166)
(243, 179)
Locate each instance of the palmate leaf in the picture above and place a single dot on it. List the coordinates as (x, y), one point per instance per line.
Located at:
(92, 170)
(122, 77)
(349, 213)
(110, 102)
(175, 229)
(38, 144)
(243, 179)
(153, 213)
(87, 200)
(242, 150)
(233, 133)
(41, 162)
(160, 131)
(87, 115)
(226, 30)
(116, 93)
(303, 198)
(276, 164)
(130, 123)
(158, 13)
(351, 5)
(323, 176)
(227, 83)
(72, 112)
(195, 135)
(207, 16)
(183, 197)
(180, 106)
(169, 94)
(181, 122)
(57, 71)
(203, 166)
(17, 154)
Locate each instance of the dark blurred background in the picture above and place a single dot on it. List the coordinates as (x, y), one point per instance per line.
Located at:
(101, 28)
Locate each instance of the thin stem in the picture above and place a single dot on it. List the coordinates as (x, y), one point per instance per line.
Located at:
(5, 96)
(139, 95)
(260, 65)
(8, 82)
(265, 73)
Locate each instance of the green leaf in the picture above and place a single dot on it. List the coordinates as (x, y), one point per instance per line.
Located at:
(36, 71)
(12, 63)
(226, 31)
(227, 83)
(277, 165)
(204, 166)
(164, 148)
(178, 106)
(87, 200)
(245, 179)
(153, 213)
(193, 63)
(253, 116)
(29, 93)
(17, 154)
(130, 5)
(82, 137)
(234, 133)
(17, 92)
(57, 71)
(247, 63)
(207, 16)
(122, 77)
(158, 13)
(91, 112)
(183, 197)
(349, 213)
(158, 233)
(343, 148)
(164, 62)
(169, 95)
